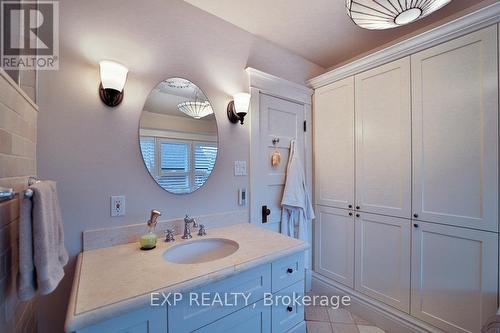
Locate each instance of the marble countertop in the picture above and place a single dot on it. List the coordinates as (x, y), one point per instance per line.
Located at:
(112, 281)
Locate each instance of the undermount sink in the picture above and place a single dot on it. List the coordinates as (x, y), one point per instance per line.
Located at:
(201, 250)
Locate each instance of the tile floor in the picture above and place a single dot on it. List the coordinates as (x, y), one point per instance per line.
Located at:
(322, 319)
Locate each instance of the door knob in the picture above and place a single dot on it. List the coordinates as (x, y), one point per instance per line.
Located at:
(415, 225)
(350, 206)
(415, 215)
(265, 213)
(289, 309)
(357, 215)
(350, 213)
(289, 271)
(357, 207)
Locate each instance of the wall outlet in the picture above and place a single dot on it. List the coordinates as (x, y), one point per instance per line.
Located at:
(118, 205)
(240, 168)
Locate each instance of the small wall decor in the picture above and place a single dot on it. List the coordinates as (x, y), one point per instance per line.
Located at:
(276, 155)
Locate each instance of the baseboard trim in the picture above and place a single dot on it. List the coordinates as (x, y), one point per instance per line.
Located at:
(384, 316)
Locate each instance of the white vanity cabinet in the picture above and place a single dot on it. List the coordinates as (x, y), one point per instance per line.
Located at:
(148, 320)
(284, 276)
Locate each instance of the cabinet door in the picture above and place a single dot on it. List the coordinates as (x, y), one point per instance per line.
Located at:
(334, 244)
(383, 139)
(383, 259)
(455, 132)
(454, 276)
(334, 144)
(148, 320)
(254, 318)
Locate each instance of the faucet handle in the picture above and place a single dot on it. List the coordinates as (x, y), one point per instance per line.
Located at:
(195, 224)
(169, 235)
(202, 231)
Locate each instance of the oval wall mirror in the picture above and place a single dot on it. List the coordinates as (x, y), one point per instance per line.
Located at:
(178, 136)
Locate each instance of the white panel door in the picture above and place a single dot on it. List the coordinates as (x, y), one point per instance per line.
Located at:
(280, 121)
(383, 139)
(382, 262)
(334, 244)
(454, 276)
(334, 144)
(455, 132)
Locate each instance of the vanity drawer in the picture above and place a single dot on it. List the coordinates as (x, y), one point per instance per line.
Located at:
(189, 315)
(287, 271)
(286, 316)
(252, 319)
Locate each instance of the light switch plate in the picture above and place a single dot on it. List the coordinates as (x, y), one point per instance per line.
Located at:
(117, 205)
(240, 168)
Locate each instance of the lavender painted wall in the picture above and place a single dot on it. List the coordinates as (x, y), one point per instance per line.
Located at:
(92, 151)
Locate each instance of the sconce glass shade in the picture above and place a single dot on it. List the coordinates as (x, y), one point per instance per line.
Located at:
(238, 107)
(386, 14)
(113, 75)
(241, 102)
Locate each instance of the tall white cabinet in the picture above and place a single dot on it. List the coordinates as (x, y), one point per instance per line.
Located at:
(334, 138)
(407, 193)
(383, 139)
(455, 132)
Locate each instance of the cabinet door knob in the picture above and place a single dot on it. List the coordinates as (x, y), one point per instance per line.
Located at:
(415, 225)
(415, 215)
(289, 271)
(357, 207)
(357, 215)
(289, 309)
(350, 206)
(350, 213)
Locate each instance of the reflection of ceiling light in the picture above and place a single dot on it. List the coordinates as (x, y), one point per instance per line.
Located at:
(178, 83)
(196, 109)
(378, 15)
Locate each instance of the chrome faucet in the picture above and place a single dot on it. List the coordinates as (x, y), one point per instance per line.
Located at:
(187, 228)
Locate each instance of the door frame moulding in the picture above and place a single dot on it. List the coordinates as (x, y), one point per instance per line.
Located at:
(471, 22)
(264, 83)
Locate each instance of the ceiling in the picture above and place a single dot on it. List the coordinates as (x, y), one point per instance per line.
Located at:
(318, 30)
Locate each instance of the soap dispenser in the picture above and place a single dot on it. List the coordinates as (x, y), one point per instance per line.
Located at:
(148, 240)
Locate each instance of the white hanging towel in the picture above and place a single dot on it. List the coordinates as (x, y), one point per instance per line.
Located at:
(297, 211)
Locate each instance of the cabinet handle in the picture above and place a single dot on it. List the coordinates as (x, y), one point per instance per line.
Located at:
(357, 215)
(289, 309)
(289, 271)
(415, 225)
(415, 215)
(350, 213)
(350, 206)
(357, 207)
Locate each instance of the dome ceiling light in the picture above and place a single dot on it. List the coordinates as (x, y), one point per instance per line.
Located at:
(386, 14)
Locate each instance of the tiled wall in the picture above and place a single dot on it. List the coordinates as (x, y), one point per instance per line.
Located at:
(18, 119)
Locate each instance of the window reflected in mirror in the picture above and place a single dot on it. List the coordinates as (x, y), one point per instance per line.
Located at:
(178, 136)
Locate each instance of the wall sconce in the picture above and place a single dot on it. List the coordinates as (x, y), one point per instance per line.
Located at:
(113, 77)
(238, 107)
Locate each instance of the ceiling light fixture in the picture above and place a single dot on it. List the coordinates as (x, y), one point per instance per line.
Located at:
(386, 14)
(196, 109)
